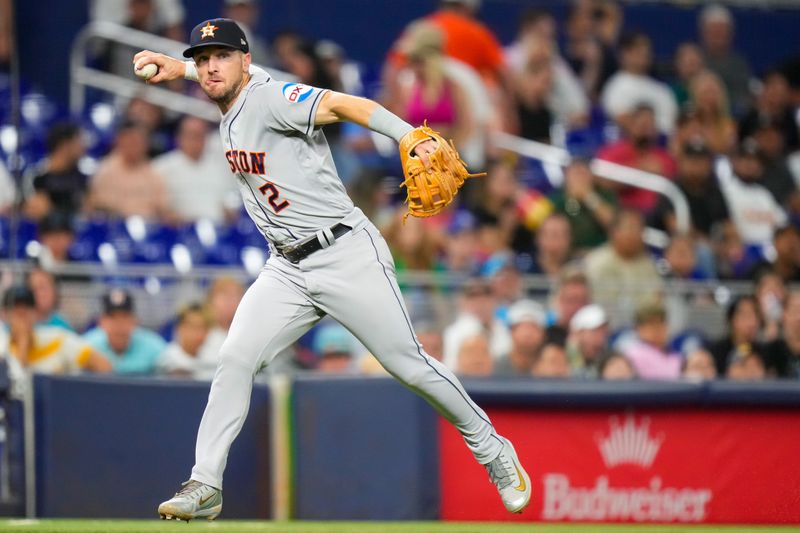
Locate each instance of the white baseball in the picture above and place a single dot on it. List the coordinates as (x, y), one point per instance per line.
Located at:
(147, 71)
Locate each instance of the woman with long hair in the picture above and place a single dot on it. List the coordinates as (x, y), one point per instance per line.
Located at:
(709, 99)
(430, 94)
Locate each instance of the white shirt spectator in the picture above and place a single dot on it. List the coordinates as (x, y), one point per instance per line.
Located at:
(467, 326)
(199, 188)
(625, 91)
(753, 210)
(175, 360)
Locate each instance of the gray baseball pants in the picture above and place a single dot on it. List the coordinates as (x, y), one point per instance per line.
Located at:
(354, 282)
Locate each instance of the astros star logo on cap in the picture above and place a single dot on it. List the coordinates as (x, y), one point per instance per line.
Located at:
(208, 30)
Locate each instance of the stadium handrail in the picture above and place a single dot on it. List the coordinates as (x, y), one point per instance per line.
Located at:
(413, 278)
(604, 169)
(83, 76)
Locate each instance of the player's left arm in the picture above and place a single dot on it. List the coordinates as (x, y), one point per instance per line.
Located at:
(339, 107)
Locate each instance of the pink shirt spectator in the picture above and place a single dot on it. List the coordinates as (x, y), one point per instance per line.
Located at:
(440, 113)
(652, 363)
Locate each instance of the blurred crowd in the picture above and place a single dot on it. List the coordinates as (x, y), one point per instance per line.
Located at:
(724, 132)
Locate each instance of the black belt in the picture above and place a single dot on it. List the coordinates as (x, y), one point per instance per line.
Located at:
(296, 253)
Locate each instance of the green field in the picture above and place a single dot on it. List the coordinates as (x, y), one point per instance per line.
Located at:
(232, 526)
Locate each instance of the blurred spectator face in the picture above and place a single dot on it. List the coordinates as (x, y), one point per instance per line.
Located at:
(478, 300)
(432, 342)
(626, 235)
(654, 331)
(139, 12)
(192, 330)
(539, 24)
(223, 299)
(191, 137)
(681, 257)
(591, 342)
(695, 168)
(21, 318)
(747, 368)
(551, 363)
(335, 362)
(700, 366)
(571, 296)
(536, 80)
(507, 284)
(617, 367)
(730, 248)
(787, 246)
(301, 65)
(708, 94)
(58, 243)
(746, 321)
(474, 358)
(527, 337)
(43, 286)
(119, 327)
(770, 140)
(501, 183)
(748, 167)
(717, 32)
(638, 57)
(771, 293)
(642, 127)
(688, 61)
(245, 12)
(791, 314)
(775, 93)
(491, 239)
(131, 145)
(143, 113)
(285, 45)
(461, 247)
(580, 24)
(554, 238)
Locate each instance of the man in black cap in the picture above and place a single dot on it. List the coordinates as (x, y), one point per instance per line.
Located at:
(326, 258)
(698, 183)
(752, 207)
(132, 350)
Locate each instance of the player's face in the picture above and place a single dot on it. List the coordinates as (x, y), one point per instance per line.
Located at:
(222, 72)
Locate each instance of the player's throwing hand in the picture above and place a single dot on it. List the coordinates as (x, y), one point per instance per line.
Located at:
(168, 67)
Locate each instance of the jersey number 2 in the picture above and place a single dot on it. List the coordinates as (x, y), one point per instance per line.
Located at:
(271, 192)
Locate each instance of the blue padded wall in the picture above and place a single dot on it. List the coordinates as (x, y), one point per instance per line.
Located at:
(364, 449)
(114, 447)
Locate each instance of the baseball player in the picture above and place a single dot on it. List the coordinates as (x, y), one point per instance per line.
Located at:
(326, 258)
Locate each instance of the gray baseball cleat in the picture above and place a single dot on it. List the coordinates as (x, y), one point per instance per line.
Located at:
(194, 500)
(510, 478)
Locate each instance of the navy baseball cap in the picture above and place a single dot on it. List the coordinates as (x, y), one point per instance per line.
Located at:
(217, 32)
(117, 300)
(18, 295)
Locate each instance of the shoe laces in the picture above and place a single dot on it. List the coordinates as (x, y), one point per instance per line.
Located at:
(500, 472)
(188, 487)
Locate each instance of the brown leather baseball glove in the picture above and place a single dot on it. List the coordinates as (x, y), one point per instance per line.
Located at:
(431, 190)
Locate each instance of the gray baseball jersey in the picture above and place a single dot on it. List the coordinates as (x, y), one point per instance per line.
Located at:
(291, 190)
(282, 162)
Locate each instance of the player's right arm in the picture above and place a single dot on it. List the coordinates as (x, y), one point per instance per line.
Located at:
(170, 68)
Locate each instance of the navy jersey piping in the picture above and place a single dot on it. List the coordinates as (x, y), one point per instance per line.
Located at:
(311, 111)
(241, 175)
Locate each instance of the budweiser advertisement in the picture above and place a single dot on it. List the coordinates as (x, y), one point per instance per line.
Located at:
(665, 466)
